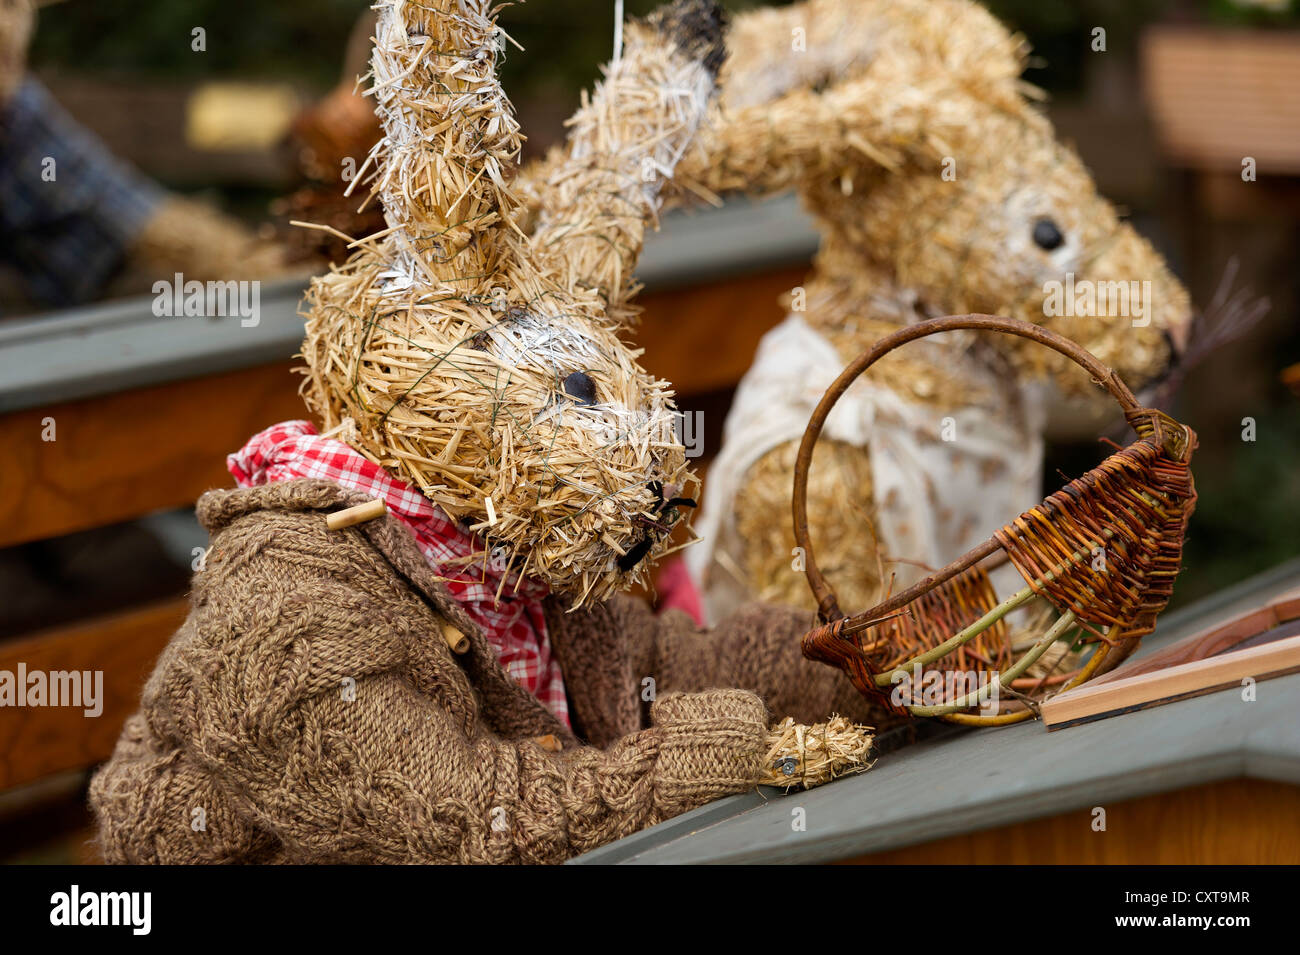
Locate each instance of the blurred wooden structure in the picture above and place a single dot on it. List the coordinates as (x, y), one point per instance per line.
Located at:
(1224, 108)
(146, 122)
(1220, 96)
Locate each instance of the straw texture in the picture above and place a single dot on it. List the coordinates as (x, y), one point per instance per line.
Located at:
(203, 244)
(864, 119)
(1132, 509)
(807, 756)
(473, 346)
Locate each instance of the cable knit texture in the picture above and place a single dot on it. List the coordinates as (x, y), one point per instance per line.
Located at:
(308, 710)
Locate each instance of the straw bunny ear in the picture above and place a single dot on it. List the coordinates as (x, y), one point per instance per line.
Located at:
(599, 193)
(451, 142)
(829, 87)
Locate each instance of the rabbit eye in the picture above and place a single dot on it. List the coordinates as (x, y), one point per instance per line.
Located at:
(1047, 236)
(580, 387)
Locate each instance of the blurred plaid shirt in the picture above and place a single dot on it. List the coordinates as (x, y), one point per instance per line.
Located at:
(66, 230)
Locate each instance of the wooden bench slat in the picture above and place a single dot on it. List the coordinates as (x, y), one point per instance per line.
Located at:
(39, 741)
(120, 456)
(124, 455)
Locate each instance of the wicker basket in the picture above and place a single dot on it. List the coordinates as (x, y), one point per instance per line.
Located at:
(1103, 551)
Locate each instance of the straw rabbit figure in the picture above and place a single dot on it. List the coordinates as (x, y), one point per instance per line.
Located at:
(938, 188)
(340, 695)
(484, 365)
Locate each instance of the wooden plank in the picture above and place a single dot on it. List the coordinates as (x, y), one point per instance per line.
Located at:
(1165, 685)
(120, 456)
(1234, 822)
(39, 741)
(111, 347)
(703, 338)
(968, 781)
(1216, 639)
(1218, 96)
(120, 346)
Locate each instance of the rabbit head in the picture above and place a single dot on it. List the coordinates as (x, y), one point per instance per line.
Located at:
(937, 182)
(483, 363)
(1008, 221)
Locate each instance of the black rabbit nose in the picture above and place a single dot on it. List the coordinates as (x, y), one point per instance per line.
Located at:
(580, 386)
(1047, 235)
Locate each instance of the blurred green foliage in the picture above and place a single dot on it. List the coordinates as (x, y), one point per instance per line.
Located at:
(1248, 516)
(564, 40)
(288, 38)
(1255, 13)
(303, 40)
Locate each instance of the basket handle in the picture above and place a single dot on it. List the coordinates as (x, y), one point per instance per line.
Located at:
(828, 607)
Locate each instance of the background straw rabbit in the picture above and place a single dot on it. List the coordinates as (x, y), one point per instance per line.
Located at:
(938, 188)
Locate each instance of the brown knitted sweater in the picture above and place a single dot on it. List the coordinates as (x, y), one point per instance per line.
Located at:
(309, 710)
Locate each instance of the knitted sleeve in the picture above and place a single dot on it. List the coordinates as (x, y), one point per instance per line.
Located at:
(390, 777)
(306, 714)
(755, 649)
(416, 787)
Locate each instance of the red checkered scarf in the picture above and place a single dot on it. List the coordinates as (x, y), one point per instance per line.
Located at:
(515, 626)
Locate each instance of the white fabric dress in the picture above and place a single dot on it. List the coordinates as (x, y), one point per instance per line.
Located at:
(935, 498)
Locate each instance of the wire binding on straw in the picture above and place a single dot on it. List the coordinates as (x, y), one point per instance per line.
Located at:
(448, 338)
(800, 756)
